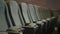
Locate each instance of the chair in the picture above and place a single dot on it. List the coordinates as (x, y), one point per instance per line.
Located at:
(3, 22)
(13, 16)
(35, 19)
(27, 21)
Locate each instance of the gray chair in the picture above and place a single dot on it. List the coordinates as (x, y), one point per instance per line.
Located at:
(43, 14)
(34, 18)
(13, 16)
(27, 19)
(42, 18)
(3, 22)
(51, 25)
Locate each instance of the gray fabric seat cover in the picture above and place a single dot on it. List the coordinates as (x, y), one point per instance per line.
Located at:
(14, 11)
(37, 12)
(32, 12)
(44, 13)
(25, 12)
(3, 22)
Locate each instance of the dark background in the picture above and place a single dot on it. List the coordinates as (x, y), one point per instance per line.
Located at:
(54, 4)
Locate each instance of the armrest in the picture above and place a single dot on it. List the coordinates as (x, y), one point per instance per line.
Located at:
(27, 26)
(31, 25)
(15, 29)
(34, 25)
(37, 22)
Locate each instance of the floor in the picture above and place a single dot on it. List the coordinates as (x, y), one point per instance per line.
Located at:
(56, 31)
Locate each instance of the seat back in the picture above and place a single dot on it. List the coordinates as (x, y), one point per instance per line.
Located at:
(32, 12)
(13, 13)
(3, 20)
(37, 12)
(44, 13)
(25, 13)
(34, 17)
(40, 12)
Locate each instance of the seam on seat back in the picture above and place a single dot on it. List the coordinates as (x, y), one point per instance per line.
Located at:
(8, 23)
(11, 15)
(23, 20)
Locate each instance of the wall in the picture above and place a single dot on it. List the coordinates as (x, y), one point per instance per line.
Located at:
(55, 4)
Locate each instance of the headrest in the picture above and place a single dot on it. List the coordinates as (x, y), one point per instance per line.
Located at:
(14, 29)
